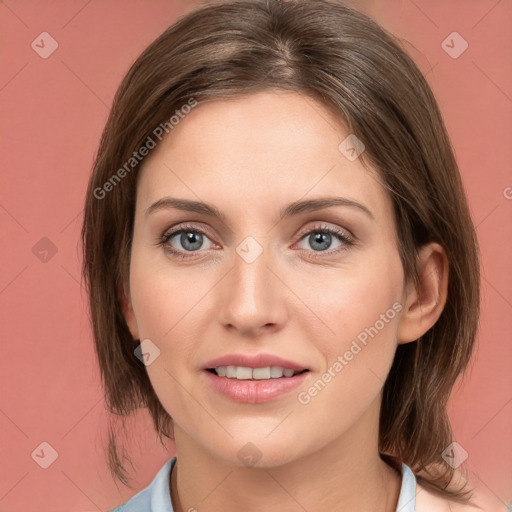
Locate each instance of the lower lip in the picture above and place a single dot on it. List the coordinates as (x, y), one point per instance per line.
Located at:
(254, 391)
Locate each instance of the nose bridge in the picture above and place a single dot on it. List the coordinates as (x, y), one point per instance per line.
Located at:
(252, 297)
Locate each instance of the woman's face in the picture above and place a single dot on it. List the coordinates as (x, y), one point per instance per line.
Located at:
(256, 282)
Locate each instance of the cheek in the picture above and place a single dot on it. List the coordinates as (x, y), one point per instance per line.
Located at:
(162, 296)
(173, 309)
(359, 309)
(358, 343)
(167, 307)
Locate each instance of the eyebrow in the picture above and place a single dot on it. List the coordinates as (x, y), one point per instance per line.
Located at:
(292, 209)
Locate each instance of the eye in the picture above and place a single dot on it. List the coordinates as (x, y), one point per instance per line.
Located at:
(320, 239)
(189, 238)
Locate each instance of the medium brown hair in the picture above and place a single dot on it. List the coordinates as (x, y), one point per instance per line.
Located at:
(328, 51)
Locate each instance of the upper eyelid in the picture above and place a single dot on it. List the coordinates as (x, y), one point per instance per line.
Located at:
(183, 227)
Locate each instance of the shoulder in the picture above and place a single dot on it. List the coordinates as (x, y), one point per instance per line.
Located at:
(428, 501)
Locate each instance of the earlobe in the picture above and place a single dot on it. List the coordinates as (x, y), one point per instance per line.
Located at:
(128, 312)
(424, 305)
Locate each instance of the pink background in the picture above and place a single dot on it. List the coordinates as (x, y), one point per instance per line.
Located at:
(53, 111)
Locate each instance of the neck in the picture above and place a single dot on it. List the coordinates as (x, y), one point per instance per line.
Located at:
(344, 475)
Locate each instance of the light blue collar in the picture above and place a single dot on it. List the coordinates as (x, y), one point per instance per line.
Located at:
(407, 498)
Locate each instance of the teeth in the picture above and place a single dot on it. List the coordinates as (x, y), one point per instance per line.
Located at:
(261, 373)
(245, 373)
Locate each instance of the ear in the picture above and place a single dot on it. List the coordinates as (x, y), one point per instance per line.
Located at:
(129, 315)
(423, 306)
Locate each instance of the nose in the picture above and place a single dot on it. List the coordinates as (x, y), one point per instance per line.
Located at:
(253, 295)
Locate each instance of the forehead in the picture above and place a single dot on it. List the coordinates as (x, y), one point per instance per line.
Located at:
(261, 150)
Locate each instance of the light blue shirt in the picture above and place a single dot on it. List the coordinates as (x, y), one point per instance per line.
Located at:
(156, 497)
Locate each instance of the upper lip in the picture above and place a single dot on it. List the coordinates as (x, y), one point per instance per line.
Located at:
(253, 361)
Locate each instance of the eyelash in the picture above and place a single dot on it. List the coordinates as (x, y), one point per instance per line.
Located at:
(342, 237)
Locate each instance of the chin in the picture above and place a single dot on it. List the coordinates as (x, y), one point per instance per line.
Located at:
(259, 453)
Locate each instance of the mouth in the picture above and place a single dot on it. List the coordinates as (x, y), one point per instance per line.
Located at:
(248, 373)
(257, 385)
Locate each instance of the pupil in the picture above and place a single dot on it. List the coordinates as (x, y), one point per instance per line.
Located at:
(318, 238)
(188, 237)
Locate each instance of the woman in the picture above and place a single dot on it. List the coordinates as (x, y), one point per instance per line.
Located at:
(282, 266)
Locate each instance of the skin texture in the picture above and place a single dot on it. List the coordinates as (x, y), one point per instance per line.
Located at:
(250, 157)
